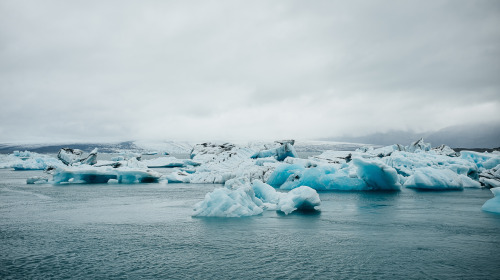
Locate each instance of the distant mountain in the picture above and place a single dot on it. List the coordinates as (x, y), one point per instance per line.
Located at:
(54, 148)
(463, 136)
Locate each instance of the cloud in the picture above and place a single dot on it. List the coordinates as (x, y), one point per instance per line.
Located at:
(118, 70)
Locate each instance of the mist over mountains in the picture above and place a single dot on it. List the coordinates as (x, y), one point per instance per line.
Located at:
(462, 136)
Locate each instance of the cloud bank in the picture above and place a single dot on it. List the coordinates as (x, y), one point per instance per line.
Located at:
(200, 70)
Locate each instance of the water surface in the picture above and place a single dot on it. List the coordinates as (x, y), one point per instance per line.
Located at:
(146, 231)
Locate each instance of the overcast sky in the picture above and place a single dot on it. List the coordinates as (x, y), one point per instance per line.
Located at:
(213, 70)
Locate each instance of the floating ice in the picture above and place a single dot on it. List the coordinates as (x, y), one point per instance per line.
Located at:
(439, 179)
(223, 202)
(36, 163)
(221, 162)
(491, 178)
(265, 192)
(302, 198)
(27, 161)
(482, 160)
(493, 205)
(377, 175)
(280, 153)
(37, 180)
(169, 162)
(130, 172)
(71, 156)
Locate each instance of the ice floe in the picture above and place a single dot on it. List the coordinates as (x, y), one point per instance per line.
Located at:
(240, 198)
(493, 205)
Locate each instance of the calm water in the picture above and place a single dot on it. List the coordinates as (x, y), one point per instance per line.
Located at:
(146, 231)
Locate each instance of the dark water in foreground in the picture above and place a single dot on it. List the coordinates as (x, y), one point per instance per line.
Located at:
(146, 231)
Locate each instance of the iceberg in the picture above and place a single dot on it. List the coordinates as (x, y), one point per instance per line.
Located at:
(490, 178)
(71, 156)
(37, 180)
(27, 161)
(482, 160)
(169, 162)
(493, 205)
(129, 172)
(240, 198)
(221, 162)
(377, 175)
(429, 178)
(280, 153)
(224, 202)
(419, 145)
(302, 198)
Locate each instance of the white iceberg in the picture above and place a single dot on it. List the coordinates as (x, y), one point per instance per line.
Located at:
(429, 178)
(482, 160)
(129, 172)
(37, 180)
(302, 198)
(169, 162)
(239, 198)
(221, 162)
(27, 160)
(71, 156)
(223, 202)
(377, 175)
(280, 153)
(493, 205)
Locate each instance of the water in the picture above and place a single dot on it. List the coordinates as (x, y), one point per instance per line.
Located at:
(146, 231)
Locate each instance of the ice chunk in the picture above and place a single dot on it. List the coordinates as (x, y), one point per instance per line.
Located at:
(91, 159)
(493, 205)
(302, 198)
(320, 177)
(281, 174)
(178, 177)
(130, 172)
(223, 202)
(27, 160)
(482, 160)
(377, 175)
(406, 163)
(37, 180)
(439, 179)
(490, 178)
(265, 192)
(36, 163)
(71, 156)
(280, 153)
(419, 145)
(169, 162)
(446, 151)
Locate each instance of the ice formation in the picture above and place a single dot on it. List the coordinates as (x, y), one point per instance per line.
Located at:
(240, 198)
(302, 198)
(71, 156)
(37, 180)
(224, 202)
(279, 153)
(493, 205)
(169, 162)
(221, 162)
(27, 161)
(389, 168)
(439, 179)
(129, 172)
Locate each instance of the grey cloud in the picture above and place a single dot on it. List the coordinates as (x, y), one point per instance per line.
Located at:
(175, 69)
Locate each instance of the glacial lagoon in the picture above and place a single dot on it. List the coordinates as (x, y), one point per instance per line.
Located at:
(146, 231)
